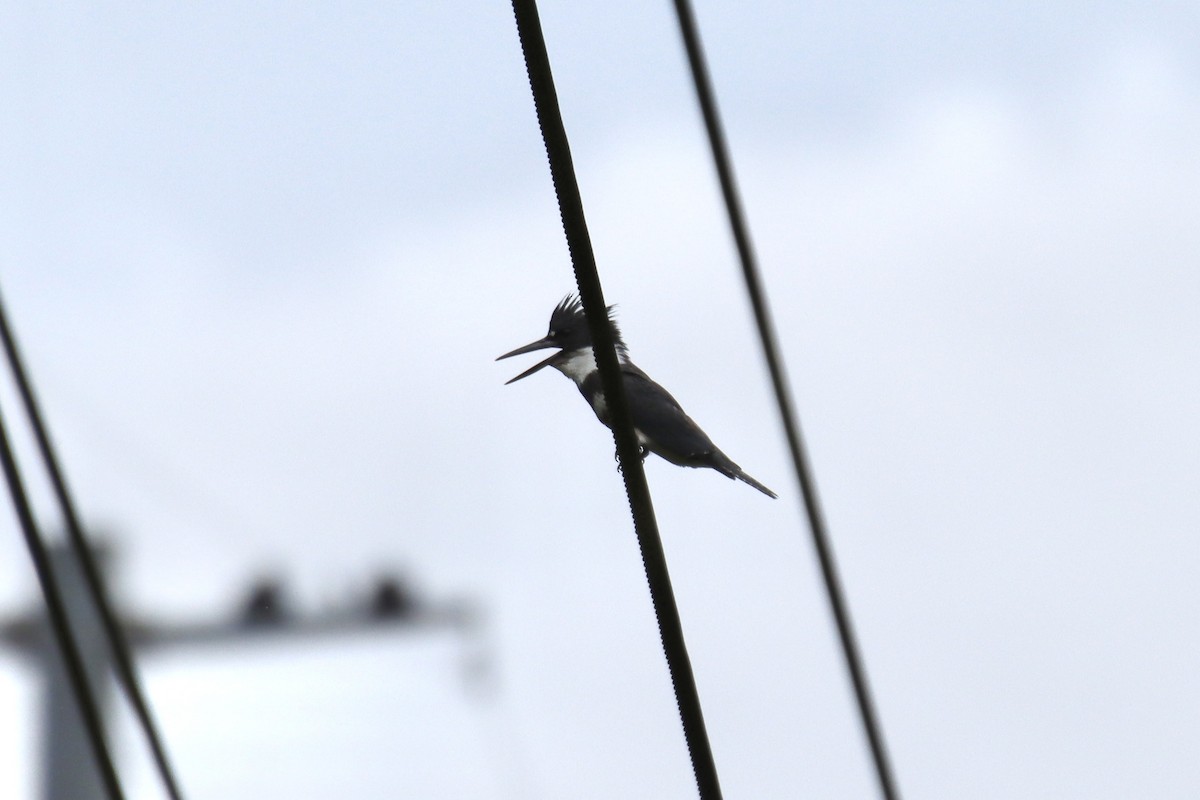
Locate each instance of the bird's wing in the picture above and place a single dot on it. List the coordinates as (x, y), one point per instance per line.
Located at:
(662, 422)
(671, 433)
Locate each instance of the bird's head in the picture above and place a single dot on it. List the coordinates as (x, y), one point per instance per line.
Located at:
(568, 332)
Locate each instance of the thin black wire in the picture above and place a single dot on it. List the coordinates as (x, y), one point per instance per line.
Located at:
(558, 151)
(117, 643)
(59, 623)
(766, 329)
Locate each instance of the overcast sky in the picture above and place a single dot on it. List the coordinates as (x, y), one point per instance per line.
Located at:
(262, 258)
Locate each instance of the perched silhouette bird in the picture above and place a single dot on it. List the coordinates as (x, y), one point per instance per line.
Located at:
(660, 423)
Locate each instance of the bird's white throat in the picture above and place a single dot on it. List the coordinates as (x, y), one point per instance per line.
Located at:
(579, 364)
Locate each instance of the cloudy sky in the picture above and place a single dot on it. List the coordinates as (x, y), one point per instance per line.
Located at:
(262, 258)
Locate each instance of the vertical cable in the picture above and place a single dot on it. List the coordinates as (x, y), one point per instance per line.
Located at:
(56, 612)
(562, 170)
(118, 646)
(800, 461)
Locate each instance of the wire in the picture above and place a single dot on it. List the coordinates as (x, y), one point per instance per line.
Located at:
(59, 623)
(804, 473)
(83, 552)
(558, 151)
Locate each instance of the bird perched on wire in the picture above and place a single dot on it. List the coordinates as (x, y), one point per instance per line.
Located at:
(660, 423)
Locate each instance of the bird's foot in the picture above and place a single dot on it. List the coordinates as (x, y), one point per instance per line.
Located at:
(643, 451)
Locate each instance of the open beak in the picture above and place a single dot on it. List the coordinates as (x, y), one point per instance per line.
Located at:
(540, 344)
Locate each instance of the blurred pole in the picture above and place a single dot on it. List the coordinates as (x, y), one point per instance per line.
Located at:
(69, 771)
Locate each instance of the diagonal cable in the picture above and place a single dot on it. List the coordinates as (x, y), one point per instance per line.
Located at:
(59, 623)
(804, 474)
(558, 151)
(119, 647)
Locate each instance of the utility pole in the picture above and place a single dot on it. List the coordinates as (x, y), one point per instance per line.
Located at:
(68, 771)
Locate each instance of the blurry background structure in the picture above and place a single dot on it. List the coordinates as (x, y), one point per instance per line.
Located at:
(261, 260)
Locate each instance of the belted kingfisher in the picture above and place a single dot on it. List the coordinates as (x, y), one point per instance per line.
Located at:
(660, 423)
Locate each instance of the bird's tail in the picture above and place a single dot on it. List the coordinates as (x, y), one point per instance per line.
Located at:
(724, 464)
(744, 478)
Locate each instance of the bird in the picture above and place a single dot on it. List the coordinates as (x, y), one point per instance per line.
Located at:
(659, 421)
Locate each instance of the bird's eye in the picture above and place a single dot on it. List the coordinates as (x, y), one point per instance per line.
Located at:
(552, 334)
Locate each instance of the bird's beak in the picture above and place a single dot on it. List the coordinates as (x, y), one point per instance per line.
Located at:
(540, 344)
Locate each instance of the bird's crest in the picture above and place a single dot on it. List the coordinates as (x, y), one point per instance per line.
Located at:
(569, 315)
